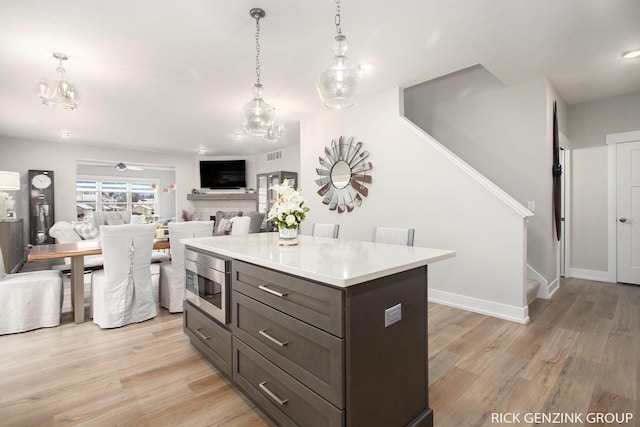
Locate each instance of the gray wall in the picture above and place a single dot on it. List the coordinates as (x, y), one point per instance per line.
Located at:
(21, 155)
(504, 133)
(589, 124)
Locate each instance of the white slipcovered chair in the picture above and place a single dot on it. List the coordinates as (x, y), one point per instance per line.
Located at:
(325, 230)
(172, 274)
(396, 236)
(123, 293)
(29, 300)
(241, 225)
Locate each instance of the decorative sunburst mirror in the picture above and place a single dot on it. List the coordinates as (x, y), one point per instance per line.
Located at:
(343, 174)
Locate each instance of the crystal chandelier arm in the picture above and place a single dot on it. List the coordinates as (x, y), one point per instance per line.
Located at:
(62, 95)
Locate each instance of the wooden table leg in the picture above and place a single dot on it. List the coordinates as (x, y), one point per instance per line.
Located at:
(77, 288)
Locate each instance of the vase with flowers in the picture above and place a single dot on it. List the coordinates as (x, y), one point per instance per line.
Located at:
(289, 209)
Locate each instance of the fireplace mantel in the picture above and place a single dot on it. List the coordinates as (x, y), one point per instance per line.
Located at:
(223, 196)
(206, 205)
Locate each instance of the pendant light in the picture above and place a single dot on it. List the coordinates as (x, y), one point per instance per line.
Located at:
(257, 115)
(62, 95)
(274, 132)
(339, 82)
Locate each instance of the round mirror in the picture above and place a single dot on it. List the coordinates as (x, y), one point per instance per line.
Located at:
(340, 174)
(344, 174)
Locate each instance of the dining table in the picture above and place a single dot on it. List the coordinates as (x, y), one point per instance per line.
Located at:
(77, 251)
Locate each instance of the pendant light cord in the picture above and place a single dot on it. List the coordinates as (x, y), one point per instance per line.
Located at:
(258, 49)
(338, 19)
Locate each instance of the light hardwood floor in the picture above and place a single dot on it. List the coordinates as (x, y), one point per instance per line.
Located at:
(579, 354)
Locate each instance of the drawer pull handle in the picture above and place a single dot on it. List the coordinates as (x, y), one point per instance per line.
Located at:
(264, 333)
(272, 395)
(201, 335)
(271, 291)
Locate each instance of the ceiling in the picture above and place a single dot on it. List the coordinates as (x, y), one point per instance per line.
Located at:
(173, 76)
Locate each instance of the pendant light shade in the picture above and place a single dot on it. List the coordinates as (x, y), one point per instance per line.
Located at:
(9, 180)
(257, 115)
(274, 132)
(61, 94)
(339, 82)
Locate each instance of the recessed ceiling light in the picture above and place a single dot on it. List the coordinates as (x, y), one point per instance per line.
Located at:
(238, 136)
(366, 67)
(631, 54)
(201, 151)
(65, 135)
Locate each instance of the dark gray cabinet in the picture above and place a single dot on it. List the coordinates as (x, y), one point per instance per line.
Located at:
(310, 354)
(209, 337)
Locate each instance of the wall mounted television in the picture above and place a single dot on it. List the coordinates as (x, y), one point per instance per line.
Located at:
(222, 174)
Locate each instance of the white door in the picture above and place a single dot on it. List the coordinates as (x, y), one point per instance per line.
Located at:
(628, 212)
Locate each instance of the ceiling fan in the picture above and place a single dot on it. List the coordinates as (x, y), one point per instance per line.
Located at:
(122, 167)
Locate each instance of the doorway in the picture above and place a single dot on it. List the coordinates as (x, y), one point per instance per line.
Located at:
(624, 207)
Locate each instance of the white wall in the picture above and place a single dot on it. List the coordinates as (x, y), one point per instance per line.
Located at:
(289, 162)
(589, 123)
(21, 155)
(414, 185)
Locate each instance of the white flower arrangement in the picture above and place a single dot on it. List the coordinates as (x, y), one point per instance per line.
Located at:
(290, 208)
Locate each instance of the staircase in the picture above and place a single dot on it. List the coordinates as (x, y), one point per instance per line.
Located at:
(532, 290)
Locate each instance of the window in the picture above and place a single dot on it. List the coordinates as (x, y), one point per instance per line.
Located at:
(115, 195)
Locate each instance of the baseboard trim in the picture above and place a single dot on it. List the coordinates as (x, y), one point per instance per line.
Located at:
(476, 305)
(553, 287)
(597, 275)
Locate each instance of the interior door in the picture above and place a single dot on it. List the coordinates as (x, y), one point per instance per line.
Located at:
(628, 212)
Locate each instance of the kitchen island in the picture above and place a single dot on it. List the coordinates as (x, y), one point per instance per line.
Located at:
(330, 332)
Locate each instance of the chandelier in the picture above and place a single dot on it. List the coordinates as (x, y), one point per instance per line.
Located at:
(257, 115)
(62, 94)
(339, 81)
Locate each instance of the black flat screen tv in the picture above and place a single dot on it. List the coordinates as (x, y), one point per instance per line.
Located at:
(222, 174)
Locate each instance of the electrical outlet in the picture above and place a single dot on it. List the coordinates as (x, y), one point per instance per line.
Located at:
(392, 315)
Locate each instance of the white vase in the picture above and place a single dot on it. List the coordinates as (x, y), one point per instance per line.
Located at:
(287, 236)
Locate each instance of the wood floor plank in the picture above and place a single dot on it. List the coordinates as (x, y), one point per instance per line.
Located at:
(578, 354)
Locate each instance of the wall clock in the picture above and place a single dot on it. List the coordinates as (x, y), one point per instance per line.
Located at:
(343, 174)
(40, 206)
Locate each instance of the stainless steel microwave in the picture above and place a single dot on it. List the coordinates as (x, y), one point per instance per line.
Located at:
(207, 284)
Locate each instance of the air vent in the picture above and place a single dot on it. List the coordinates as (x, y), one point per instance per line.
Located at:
(274, 155)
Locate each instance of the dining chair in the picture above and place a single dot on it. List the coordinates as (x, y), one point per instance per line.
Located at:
(172, 273)
(325, 230)
(240, 225)
(29, 300)
(123, 293)
(396, 236)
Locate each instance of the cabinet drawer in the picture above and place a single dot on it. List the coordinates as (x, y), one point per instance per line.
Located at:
(209, 337)
(313, 303)
(281, 396)
(312, 356)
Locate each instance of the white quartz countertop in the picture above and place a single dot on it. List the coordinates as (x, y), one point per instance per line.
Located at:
(336, 262)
